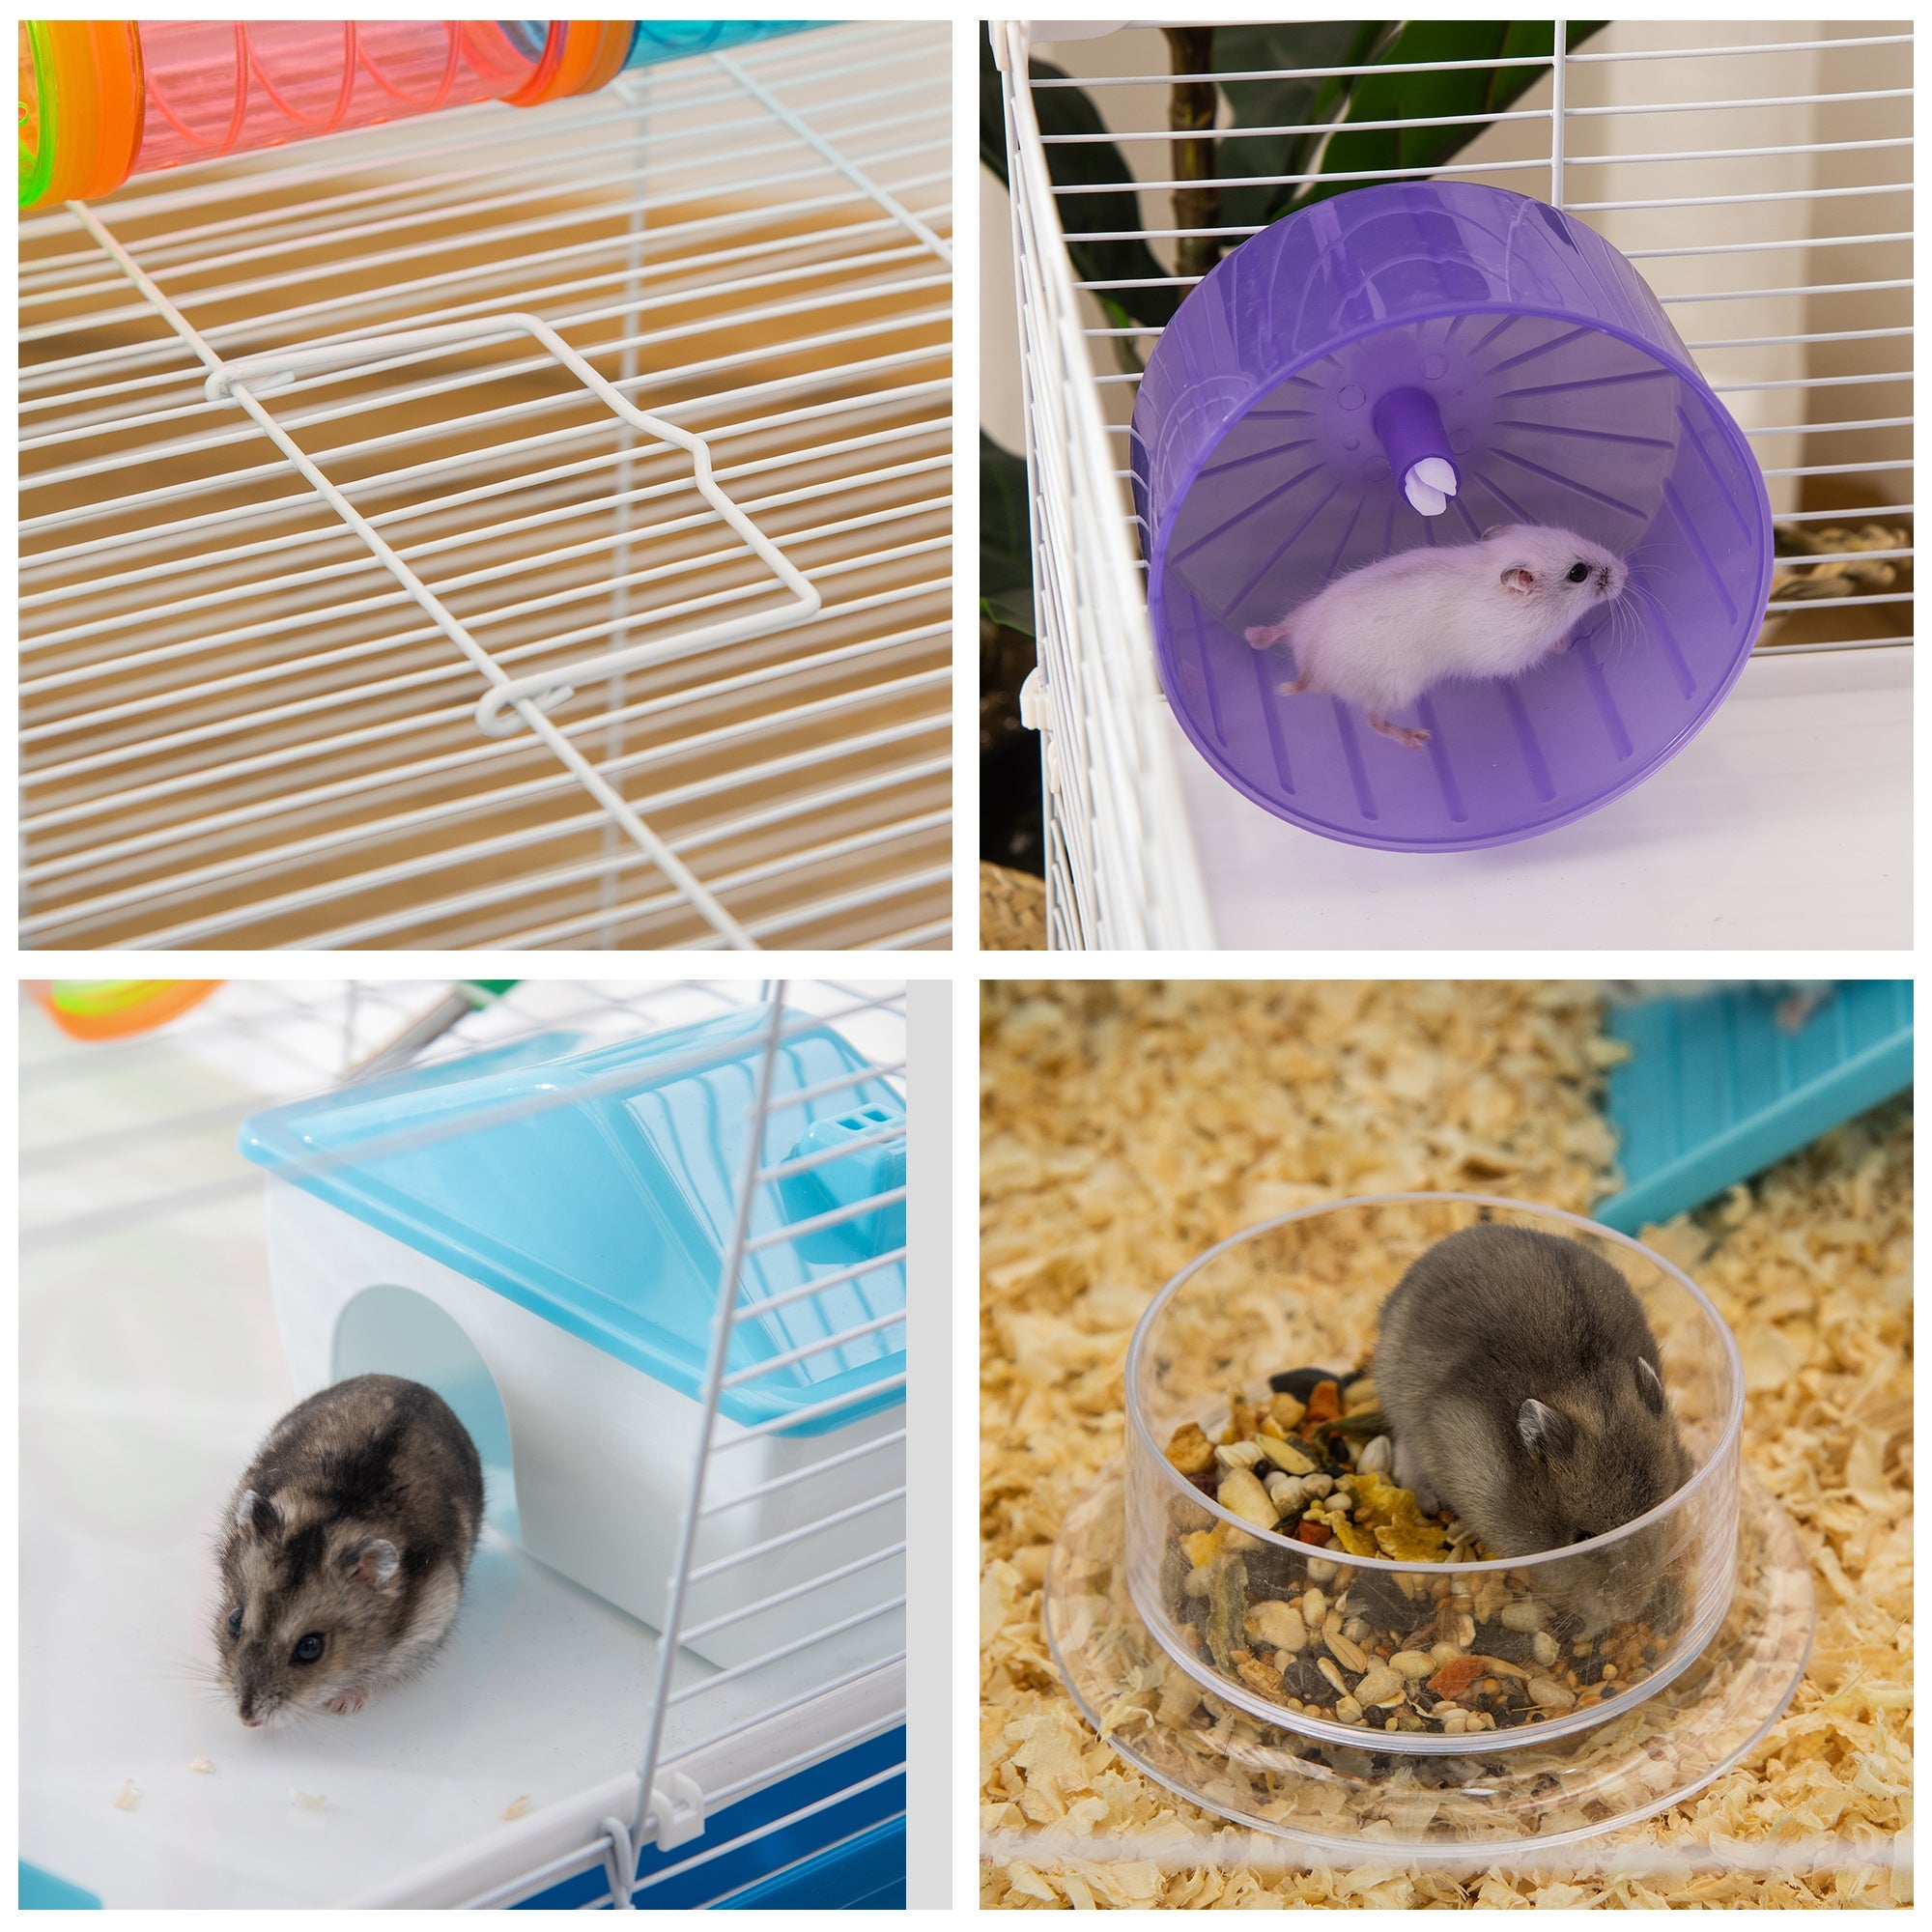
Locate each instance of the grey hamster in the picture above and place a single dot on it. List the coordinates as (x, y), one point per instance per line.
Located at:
(1524, 1392)
(1381, 636)
(1796, 999)
(345, 1548)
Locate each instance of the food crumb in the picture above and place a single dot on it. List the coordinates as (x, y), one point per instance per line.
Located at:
(516, 1809)
(127, 1796)
(303, 1797)
(199, 1764)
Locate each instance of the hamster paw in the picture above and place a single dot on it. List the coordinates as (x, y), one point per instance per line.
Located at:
(1294, 688)
(1402, 734)
(1262, 636)
(346, 1703)
(1415, 1480)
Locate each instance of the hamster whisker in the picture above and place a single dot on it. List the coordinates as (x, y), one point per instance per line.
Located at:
(1630, 626)
(193, 1666)
(188, 1673)
(1638, 602)
(1614, 633)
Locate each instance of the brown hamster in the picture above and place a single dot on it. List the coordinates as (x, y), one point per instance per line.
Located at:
(1525, 1391)
(345, 1548)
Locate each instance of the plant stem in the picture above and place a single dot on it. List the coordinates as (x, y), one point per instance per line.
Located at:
(1194, 104)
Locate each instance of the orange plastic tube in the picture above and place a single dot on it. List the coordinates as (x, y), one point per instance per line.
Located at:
(116, 1009)
(103, 100)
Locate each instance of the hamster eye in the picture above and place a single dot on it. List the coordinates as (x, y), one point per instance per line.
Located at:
(235, 1621)
(308, 1649)
(1578, 571)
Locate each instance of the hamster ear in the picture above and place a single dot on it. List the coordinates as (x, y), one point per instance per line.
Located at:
(375, 1563)
(1650, 1387)
(256, 1514)
(1494, 530)
(1546, 1432)
(1519, 581)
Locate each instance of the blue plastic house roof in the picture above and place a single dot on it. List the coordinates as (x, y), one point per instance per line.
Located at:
(608, 1211)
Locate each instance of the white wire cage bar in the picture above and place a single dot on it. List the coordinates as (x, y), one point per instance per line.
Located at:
(662, 1777)
(255, 640)
(1755, 209)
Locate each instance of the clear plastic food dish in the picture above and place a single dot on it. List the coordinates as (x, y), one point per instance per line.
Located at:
(1709, 1596)
(1478, 1807)
(1362, 1616)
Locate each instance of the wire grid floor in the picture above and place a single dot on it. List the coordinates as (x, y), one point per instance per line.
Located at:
(238, 728)
(130, 1167)
(1734, 218)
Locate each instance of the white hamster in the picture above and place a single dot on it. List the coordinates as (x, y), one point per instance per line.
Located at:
(1379, 637)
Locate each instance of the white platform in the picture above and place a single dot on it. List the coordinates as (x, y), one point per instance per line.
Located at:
(1787, 822)
(149, 1369)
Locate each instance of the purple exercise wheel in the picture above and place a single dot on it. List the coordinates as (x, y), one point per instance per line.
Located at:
(1330, 375)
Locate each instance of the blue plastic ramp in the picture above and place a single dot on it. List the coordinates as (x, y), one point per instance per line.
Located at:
(1718, 1086)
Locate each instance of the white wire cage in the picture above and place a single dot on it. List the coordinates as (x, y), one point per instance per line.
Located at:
(318, 525)
(560, 1751)
(1758, 175)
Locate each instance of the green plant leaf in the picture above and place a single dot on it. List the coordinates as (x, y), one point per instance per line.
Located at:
(1428, 90)
(1277, 103)
(1097, 165)
(1005, 538)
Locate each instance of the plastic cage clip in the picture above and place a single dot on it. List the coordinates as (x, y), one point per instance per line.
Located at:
(679, 1814)
(244, 381)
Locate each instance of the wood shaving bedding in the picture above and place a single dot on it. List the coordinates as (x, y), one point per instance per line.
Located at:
(1125, 1128)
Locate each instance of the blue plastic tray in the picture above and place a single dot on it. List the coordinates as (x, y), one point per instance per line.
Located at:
(42, 1891)
(1716, 1090)
(849, 1856)
(609, 1214)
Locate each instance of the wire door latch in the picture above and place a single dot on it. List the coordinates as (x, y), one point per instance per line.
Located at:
(245, 380)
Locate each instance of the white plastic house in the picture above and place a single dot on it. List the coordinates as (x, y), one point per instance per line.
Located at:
(540, 1234)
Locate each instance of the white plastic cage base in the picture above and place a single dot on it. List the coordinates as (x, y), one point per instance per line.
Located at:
(152, 1366)
(241, 722)
(1759, 177)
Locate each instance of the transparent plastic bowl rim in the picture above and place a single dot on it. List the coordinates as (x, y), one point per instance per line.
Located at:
(1676, 1500)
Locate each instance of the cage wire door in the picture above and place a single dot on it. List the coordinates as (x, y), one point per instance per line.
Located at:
(661, 1776)
(1775, 231)
(664, 1811)
(508, 527)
